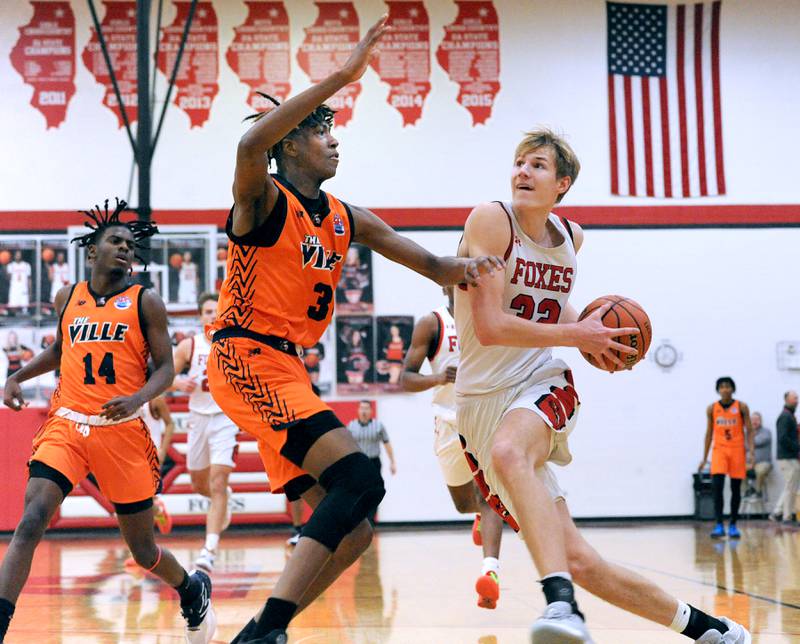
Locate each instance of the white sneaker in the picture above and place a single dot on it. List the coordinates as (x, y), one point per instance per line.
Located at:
(559, 625)
(292, 541)
(228, 511)
(205, 561)
(201, 621)
(736, 634)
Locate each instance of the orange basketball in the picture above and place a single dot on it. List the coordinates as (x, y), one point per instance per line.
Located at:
(48, 255)
(624, 312)
(5, 257)
(175, 260)
(222, 254)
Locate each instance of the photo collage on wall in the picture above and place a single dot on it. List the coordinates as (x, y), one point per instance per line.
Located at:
(33, 268)
(364, 353)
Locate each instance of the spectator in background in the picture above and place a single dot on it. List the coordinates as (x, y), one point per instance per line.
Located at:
(762, 438)
(369, 433)
(788, 452)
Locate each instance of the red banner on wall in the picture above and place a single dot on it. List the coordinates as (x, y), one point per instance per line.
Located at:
(470, 54)
(260, 54)
(404, 61)
(326, 47)
(44, 56)
(119, 31)
(196, 84)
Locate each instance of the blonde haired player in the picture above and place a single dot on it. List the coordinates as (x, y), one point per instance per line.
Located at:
(211, 435)
(517, 405)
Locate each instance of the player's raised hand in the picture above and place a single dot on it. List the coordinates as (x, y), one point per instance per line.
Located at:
(122, 407)
(474, 267)
(355, 66)
(12, 395)
(448, 375)
(598, 340)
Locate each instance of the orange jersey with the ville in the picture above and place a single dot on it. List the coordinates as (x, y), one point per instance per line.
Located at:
(103, 348)
(728, 425)
(282, 277)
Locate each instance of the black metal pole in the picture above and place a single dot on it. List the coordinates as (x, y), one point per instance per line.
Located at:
(104, 49)
(144, 130)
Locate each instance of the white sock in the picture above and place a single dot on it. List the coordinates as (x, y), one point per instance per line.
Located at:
(681, 619)
(565, 575)
(490, 564)
(212, 541)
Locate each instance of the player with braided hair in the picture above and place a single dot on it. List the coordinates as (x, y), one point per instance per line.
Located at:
(108, 328)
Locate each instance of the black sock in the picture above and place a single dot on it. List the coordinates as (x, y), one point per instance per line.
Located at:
(245, 634)
(560, 589)
(276, 616)
(699, 623)
(736, 499)
(188, 589)
(6, 613)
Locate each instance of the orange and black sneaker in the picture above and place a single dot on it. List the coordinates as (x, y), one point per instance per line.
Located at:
(488, 589)
(162, 518)
(477, 538)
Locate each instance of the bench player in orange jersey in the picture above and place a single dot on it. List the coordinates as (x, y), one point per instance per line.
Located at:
(435, 338)
(288, 241)
(727, 421)
(107, 329)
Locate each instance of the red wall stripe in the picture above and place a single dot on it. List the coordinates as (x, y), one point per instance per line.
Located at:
(422, 218)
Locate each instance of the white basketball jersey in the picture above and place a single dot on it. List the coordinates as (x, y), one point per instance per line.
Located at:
(200, 400)
(188, 272)
(60, 274)
(445, 355)
(539, 281)
(19, 272)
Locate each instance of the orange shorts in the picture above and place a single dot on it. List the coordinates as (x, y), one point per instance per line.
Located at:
(730, 461)
(265, 392)
(121, 457)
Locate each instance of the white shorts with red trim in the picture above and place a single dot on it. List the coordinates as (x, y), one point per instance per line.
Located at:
(548, 392)
(447, 446)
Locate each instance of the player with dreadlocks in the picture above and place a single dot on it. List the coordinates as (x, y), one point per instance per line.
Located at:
(288, 240)
(107, 329)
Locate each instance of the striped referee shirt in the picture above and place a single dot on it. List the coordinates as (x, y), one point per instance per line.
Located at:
(369, 436)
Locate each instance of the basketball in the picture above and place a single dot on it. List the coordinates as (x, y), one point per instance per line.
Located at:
(48, 255)
(624, 312)
(5, 257)
(175, 260)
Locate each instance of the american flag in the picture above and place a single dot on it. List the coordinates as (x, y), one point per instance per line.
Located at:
(664, 113)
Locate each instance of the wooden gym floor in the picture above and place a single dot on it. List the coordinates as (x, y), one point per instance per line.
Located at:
(413, 586)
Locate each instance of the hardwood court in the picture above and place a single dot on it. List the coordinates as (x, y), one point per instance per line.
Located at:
(412, 587)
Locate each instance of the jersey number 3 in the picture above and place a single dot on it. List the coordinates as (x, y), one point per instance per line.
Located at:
(320, 310)
(106, 369)
(548, 310)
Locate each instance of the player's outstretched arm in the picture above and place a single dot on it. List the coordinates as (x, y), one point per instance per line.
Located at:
(372, 231)
(154, 324)
(254, 192)
(48, 360)
(421, 340)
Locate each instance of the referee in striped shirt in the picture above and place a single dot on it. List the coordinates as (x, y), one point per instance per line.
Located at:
(370, 434)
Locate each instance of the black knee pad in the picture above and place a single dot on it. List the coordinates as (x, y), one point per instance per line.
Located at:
(354, 488)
